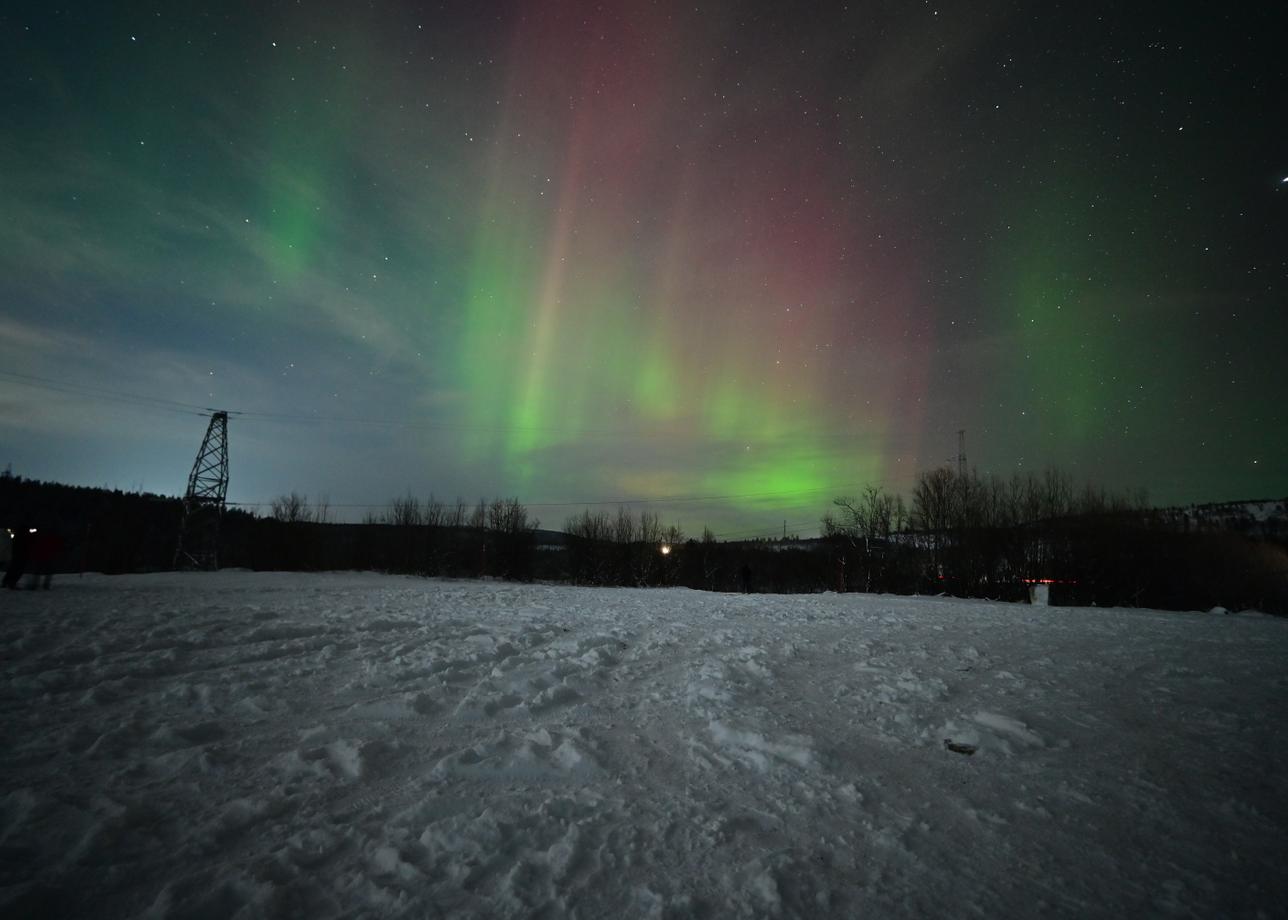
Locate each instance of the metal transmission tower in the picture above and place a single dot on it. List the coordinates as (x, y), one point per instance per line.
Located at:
(203, 503)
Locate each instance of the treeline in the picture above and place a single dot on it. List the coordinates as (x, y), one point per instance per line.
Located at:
(636, 549)
(102, 530)
(622, 549)
(115, 532)
(967, 534)
(986, 536)
(431, 537)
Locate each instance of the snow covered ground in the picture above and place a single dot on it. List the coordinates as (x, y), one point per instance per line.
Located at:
(350, 745)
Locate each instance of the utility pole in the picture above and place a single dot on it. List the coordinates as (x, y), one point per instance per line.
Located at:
(203, 503)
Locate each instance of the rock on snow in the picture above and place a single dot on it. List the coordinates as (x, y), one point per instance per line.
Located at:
(349, 745)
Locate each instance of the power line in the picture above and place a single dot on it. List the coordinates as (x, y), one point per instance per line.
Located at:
(185, 408)
(135, 399)
(735, 438)
(156, 402)
(682, 499)
(664, 500)
(751, 533)
(252, 415)
(144, 401)
(746, 533)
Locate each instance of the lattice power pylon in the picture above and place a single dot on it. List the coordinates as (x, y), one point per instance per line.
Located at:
(203, 503)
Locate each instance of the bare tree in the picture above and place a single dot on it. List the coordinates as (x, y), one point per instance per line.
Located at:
(624, 526)
(864, 519)
(650, 529)
(594, 526)
(434, 512)
(1024, 499)
(291, 508)
(646, 549)
(934, 500)
(1057, 494)
(899, 516)
(507, 515)
(406, 511)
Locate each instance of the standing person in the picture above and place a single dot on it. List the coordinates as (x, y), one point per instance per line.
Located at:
(745, 574)
(45, 550)
(21, 550)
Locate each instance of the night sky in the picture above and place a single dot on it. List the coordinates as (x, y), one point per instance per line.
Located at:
(730, 258)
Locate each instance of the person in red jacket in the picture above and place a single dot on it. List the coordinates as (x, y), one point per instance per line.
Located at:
(45, 550)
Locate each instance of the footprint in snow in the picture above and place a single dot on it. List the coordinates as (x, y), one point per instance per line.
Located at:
(539, 755)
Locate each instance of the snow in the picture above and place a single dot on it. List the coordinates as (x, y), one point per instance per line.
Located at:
(354, 745)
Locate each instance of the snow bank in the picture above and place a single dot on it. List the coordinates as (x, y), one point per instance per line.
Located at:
(271, 745)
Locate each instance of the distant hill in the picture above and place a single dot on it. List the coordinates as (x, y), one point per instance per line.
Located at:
(1257, 517)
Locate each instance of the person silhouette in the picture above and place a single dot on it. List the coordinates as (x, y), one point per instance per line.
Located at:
(46, 547)
(20, 552)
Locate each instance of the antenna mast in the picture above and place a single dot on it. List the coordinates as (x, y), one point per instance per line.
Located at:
(203, 503)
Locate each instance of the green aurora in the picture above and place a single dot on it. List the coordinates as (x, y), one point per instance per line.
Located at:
(725, 264)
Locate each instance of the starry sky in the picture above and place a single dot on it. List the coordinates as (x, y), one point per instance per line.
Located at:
(724, 260)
